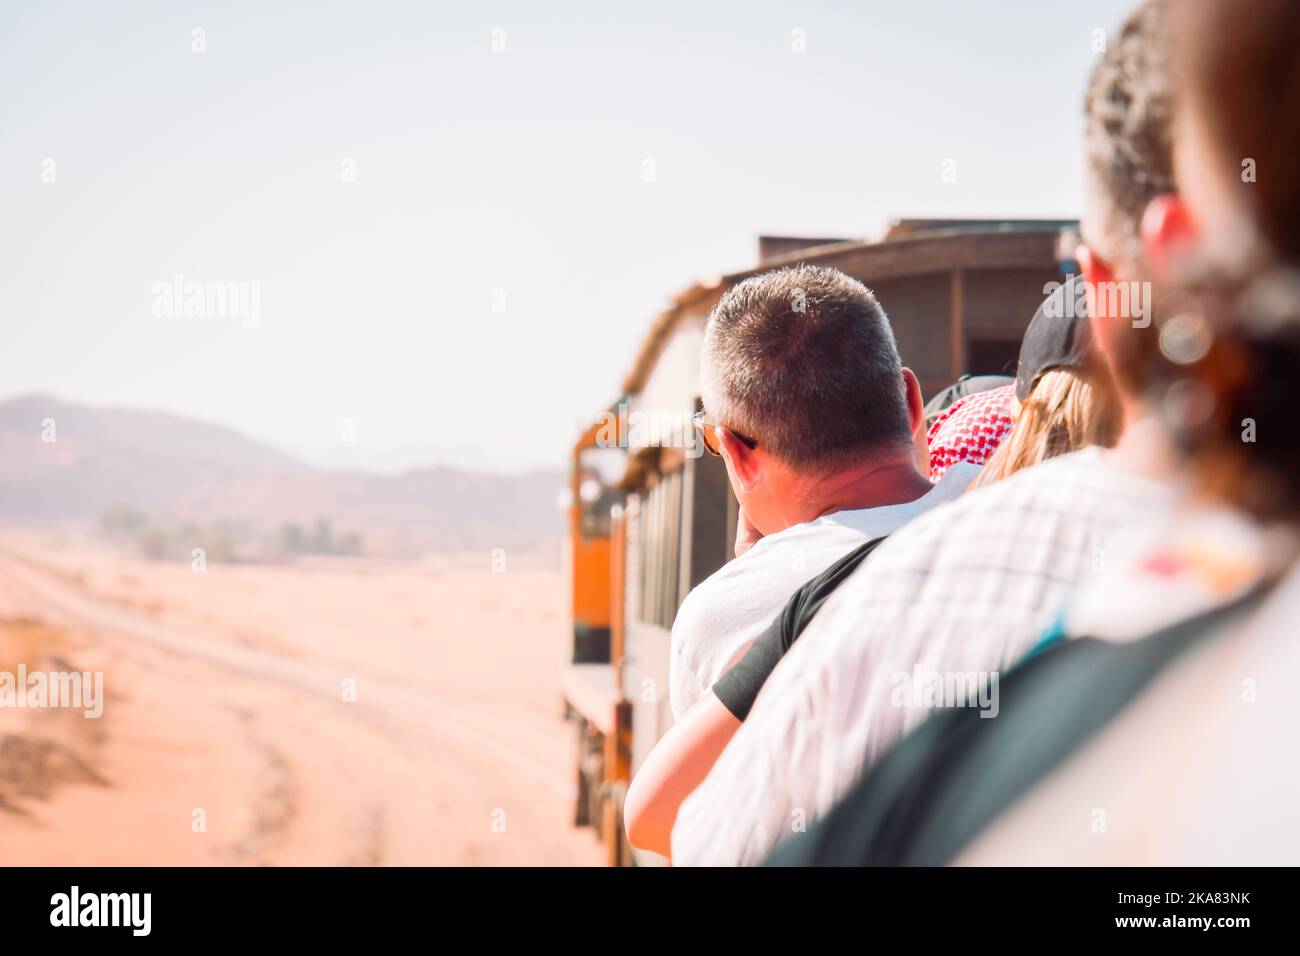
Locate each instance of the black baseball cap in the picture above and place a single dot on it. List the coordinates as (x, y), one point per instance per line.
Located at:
(1058, 336)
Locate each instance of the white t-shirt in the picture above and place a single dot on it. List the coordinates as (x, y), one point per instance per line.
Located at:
(728, 610)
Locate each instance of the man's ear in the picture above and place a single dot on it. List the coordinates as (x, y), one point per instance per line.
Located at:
(1168, 234)
(740, 458)
(1096, 273)
(916, 421)
(915, 403)
(1092, 267)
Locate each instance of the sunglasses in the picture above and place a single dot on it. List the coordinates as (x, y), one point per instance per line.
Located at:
(708, 433)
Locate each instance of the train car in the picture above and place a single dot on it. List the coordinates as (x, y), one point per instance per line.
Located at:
(651, 517)
(594, 555)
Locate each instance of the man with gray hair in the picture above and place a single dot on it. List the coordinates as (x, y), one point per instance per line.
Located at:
(808, 405)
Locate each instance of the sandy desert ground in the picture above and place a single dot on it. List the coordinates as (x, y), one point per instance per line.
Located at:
(228, 736)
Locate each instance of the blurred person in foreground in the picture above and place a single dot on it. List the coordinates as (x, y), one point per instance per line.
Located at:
(1064, 401)
(1164, 736)
(967, 590)
(806, 401)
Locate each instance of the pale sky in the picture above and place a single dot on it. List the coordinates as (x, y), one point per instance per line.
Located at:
(126, 157)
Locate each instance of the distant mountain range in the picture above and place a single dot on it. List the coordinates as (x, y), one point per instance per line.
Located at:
(63, 462)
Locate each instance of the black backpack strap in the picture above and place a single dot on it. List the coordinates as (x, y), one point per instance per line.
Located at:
(739, 687)
(943, 784)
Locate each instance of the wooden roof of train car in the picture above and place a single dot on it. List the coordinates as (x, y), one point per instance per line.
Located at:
(912, 249)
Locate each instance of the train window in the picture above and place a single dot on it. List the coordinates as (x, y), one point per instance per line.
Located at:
(992, 356)
(599, 472)
(660, 560)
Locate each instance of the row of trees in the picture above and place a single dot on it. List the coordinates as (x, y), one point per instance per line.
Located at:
(222, 541)
(294, 539)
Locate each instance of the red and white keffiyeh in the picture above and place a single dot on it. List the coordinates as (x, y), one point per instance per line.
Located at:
(970, 429)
